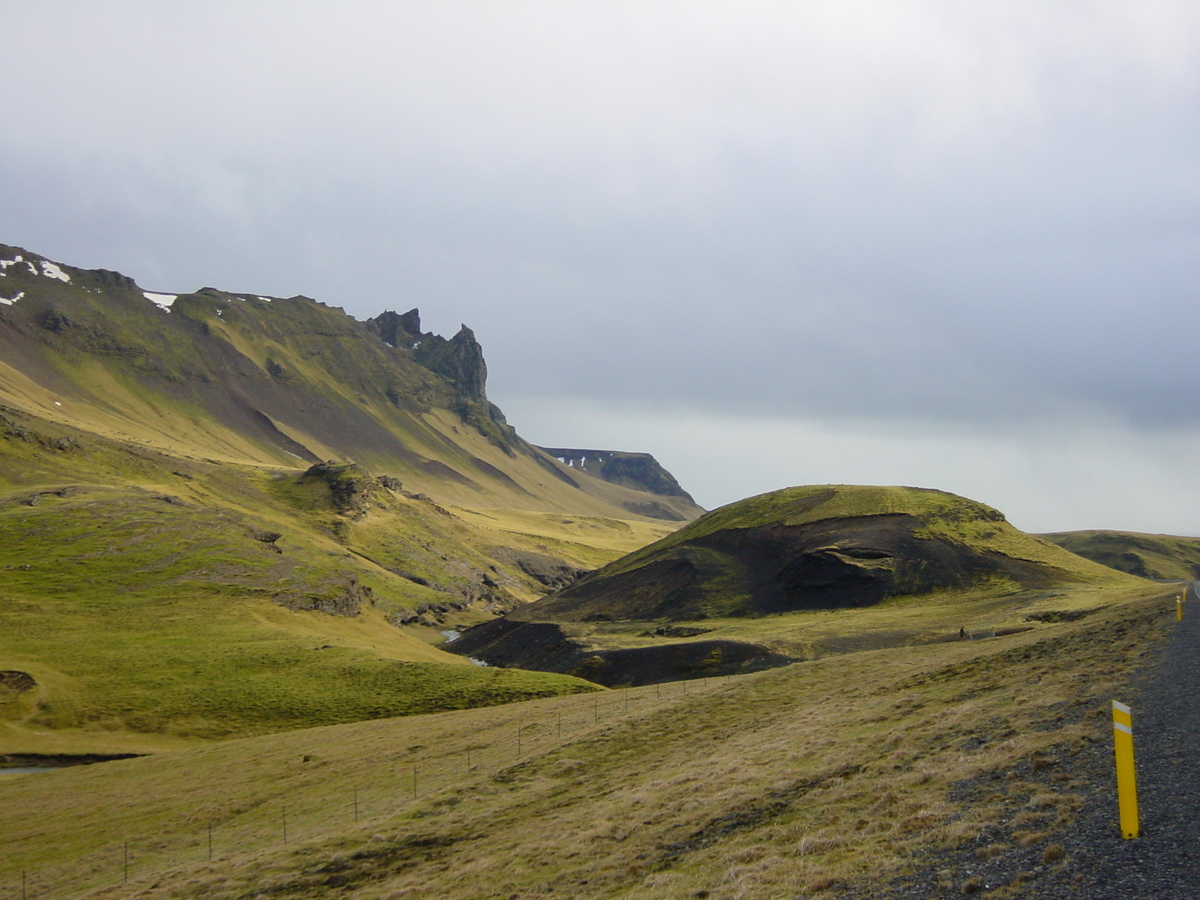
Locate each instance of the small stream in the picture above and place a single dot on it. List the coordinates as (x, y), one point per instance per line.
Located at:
(452, 635)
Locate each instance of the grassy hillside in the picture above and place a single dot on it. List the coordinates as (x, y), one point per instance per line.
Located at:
(757, 583)
(152, 597)
(227, 514)
(817, 547)
(278, 382)
(1162, 557)
(828, 777)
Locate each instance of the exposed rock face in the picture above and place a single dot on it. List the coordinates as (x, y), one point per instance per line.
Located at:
(829, 564)
(17, 682)
(640, 471)
(346, 600)
(824, 547)
(550, 571)
(459, 359)
(350, 487)
(545, 647)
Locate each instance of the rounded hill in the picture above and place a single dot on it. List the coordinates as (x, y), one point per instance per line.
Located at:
(816, 547)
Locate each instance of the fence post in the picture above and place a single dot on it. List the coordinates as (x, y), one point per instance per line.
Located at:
(1126, 772)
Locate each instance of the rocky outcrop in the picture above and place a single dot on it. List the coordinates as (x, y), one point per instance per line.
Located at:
(546, 647)
(549, 571)
(639, 471)
(350, 486)
(459, 359)
(16, 682)
(820, 547)
(344, 600)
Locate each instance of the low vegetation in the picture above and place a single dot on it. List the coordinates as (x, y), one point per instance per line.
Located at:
(154, 599)
(1162, 557)
(831, 776)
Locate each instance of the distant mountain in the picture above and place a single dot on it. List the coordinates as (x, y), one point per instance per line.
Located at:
(639, 471)
(1162, 557)
(273, 381)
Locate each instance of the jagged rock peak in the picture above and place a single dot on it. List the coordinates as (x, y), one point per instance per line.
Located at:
(459, 359)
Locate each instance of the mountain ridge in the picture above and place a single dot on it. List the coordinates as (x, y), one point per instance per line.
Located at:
(190, 479)
(274, 380)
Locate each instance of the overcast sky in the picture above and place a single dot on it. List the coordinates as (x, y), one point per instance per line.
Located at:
(947, 244)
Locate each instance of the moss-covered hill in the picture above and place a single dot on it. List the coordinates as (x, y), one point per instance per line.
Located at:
(816, 547)
(1162, 557)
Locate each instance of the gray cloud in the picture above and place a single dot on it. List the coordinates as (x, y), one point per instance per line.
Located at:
(979, 216)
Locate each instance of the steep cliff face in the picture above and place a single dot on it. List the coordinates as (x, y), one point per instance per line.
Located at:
(640, 471)
(459, 360)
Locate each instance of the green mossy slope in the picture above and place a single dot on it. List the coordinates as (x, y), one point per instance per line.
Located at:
(815, 547)
(149, 594)
(1161, 557)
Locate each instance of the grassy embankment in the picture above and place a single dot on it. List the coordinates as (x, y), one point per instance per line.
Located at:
(148, 608)
(1159, 556)
(844, 771)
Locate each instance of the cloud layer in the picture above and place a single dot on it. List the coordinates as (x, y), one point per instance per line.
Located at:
(933, 218)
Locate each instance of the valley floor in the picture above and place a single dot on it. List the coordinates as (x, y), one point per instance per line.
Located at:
(851, 775)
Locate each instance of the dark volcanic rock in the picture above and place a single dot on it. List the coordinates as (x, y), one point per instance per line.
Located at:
(459, 359)
(547, 570)
(827, 564)
(19, 682)
(345, 601)
(639, 471)
(544, 646)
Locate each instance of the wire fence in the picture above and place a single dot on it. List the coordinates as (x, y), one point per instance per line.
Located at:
(395, 785)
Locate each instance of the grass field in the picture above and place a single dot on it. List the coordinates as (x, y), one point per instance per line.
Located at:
(837, 773)
(980, 612)
(147, 617)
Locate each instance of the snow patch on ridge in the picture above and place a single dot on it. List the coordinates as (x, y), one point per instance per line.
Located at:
(162, 301)
(52, 270)
(49, 269)
(9, 301)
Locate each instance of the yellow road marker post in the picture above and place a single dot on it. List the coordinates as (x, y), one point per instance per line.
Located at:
(1178, 609)
(1126, 774)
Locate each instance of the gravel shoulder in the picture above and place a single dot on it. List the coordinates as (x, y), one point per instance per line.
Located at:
(1163, 863)
(1084, 856)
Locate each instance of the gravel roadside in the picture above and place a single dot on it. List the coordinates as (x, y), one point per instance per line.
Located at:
(1088, 859)
(1163, 863)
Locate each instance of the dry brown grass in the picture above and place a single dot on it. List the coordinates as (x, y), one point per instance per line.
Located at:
(832, 775)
